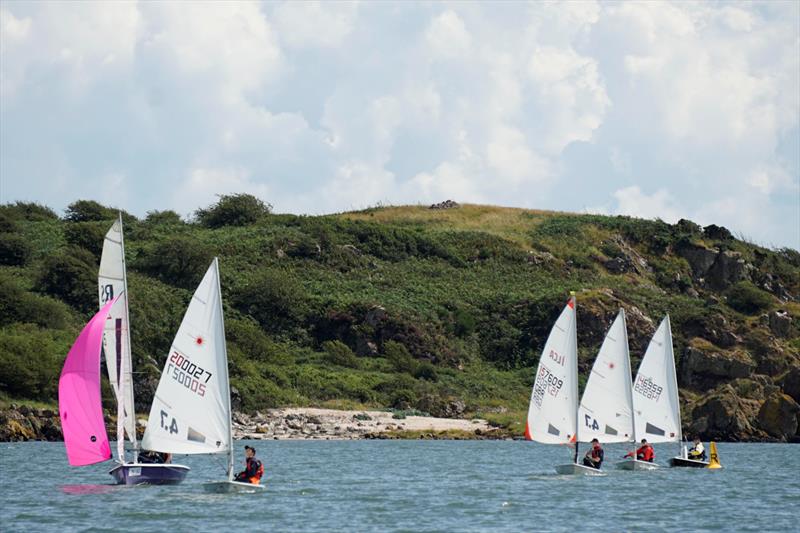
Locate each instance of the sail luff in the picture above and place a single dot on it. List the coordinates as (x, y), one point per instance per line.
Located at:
(227, 379)
(128, 359)
(628, 376)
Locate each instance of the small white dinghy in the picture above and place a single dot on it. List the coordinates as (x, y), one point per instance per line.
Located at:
(656, 408)
(113, 286)
(553, 410)
(191, 411)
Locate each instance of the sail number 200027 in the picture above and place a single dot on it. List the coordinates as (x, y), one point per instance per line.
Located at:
(188, 374)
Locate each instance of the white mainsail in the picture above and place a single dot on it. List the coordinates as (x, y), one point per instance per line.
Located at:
(191, 409)
(606, 410)
(112, 282)
(657, 412)
(552, 414)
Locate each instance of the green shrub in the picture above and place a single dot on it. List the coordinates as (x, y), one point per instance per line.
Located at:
(19, 305)
(91, 211)
(274, 299)
(88, 235)
(233, 210)
(14, 249)
(70, 275)
(163, 218)
(398, 355)
(29, 211)
(340, 354)
(749, 299)
(30, 362)
(179, 261)
(426, 371)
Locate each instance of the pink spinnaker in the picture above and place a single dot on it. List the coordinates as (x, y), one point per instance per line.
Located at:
(79, 396)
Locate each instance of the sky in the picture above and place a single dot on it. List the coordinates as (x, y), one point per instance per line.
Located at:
(651, 109)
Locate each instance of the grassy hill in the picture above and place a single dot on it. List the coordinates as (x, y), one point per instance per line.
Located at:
(440, 310)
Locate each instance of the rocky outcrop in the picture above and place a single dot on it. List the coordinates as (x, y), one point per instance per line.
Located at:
(718, 269)
(780, 323)
(26, 423)
(447, 204)
(790, 383)
(778, 416)
(724, 415)
(705, 368)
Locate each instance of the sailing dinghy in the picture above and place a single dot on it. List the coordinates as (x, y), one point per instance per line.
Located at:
(191, 411)
(606, 409)
(113, 284)
(79, 402)
(656, 407)
(553, 410)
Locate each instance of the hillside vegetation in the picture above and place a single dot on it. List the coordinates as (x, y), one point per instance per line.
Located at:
(440, 310)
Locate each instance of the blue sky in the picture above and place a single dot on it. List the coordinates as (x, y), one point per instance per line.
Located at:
(649, 109)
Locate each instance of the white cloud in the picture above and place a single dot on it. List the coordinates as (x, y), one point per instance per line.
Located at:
(202, 185)
(315, 24)
(448, 37)
(633, 202)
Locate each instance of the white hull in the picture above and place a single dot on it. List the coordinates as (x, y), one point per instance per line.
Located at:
(232, 487)
(635, 464)
(573, 469)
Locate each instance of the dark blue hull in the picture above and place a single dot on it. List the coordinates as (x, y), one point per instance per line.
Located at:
(149, 474)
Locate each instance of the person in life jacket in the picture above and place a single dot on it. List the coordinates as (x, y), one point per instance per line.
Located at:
(698, 452)
(151, 457)
(594, 457)
(644, 453)
(253, 468)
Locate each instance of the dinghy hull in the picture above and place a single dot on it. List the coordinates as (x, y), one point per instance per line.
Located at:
(149, 474)
(635, 464)
(578, 470)
(232, 487)
(690, 463)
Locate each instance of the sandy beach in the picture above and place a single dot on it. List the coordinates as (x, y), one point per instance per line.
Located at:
(329, 424)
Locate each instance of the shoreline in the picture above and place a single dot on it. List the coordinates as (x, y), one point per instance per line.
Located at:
(23, 423)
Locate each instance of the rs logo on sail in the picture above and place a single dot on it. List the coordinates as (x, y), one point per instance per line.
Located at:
(187, 373)
(106, 293)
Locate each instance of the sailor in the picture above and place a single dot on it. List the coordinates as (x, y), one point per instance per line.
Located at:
(253, 468)
(151, 457)
(697, 453)
(644, 453)
(594, 457)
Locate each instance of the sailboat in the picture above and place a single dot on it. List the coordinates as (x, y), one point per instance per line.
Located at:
(113, 285)
(656, 408)
(553, 409)
(191, 411)
(79, 402)
(606, 409)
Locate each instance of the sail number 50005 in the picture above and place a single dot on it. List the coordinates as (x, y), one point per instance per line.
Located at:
(188, 374)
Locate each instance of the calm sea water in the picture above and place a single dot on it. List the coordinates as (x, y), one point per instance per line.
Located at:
(409, 486)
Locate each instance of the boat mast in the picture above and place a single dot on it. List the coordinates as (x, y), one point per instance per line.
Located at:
(126, 357)
(576, 401)
(676, 396)
(228, 392)
(630, 380)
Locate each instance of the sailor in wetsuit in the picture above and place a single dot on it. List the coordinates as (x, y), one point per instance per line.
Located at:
(594, 457)
(253, 468)
(644, 453)
(697, 453)
(151, 457)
